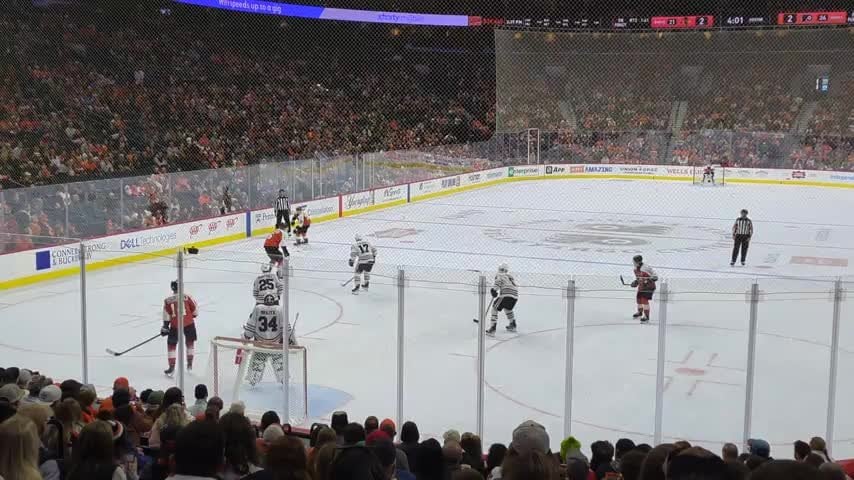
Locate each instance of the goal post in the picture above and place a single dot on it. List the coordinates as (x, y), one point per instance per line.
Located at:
(262, 388)
(718, 178)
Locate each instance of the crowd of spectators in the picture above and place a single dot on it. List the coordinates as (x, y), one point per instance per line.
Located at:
(198, 116)
(63, 431)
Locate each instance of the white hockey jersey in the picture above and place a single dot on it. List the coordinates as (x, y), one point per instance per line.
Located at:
(505, 285)
(267, 284)
(363, 252)
(264, 324)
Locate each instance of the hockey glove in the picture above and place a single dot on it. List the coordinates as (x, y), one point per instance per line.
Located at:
(350, 262)
(494, 292)
(164, 330)
(635, 283)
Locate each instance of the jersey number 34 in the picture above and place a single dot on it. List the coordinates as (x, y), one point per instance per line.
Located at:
(265, 324)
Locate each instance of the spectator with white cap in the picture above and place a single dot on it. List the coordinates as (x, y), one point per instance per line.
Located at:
(12, 394)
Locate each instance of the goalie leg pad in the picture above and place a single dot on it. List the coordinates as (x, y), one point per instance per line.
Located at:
(278, 363)
(255, 372)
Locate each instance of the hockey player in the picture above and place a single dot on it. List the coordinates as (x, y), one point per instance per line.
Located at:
(709, 174)
(362, 258)
(505, 294)
(267, 283)
(645, 278)
(263, 326)
(301, 222)
(274, 247)
(170, 327)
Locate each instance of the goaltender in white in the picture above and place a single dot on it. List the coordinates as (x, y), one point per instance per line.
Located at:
(264, 326)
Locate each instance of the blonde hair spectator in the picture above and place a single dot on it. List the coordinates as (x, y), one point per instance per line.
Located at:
(20, 453)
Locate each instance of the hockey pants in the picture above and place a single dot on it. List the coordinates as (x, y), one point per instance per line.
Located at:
(506, 304)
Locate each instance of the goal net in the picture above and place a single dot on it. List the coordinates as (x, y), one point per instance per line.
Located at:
(709, 175)
(253, 372)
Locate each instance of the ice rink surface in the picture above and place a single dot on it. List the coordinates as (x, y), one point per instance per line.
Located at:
(548, 232)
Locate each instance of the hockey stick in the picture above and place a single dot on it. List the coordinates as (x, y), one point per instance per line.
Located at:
(347, 282)
(623, 281)
(486, 311)
(119, 354)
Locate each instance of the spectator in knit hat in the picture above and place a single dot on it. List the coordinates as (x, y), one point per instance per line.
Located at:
(70, 389)
(530, 435)
(388, 426)
(120, 383)
(24, 378)
(759, 447)
(451, 436)
(339, 423)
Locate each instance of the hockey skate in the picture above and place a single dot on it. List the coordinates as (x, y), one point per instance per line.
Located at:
(366, 285)
(169, 371)
(512, 327)
(189, 366)
(731, 264)
(637, 315)
(355, 290)
(644, 320)
(490, 332)
(742, 264)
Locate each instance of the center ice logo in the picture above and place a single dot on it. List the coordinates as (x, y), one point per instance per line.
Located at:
(612, 235)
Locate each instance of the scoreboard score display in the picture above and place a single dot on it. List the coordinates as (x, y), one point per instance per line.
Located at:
(691, 21)
(813, 18)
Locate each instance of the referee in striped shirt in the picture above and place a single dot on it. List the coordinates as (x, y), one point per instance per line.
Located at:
(283, 210)
(742, 230)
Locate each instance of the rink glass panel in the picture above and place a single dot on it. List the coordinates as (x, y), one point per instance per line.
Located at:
(523, 370)
(614, 375)
(843, 446)
(706, 359)
(348, 365)
(793, 357)
(440, 349)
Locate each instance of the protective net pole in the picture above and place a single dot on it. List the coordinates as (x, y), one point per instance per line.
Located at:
(84, 337)
(181, 352)
(286, 363)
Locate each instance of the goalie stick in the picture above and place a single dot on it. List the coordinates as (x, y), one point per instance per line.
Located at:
(119, 354)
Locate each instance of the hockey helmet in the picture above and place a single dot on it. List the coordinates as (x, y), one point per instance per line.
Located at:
(358, 237)
(637, 260)
(266, 268)
(270, 300)
(174, 286)
(503, 268)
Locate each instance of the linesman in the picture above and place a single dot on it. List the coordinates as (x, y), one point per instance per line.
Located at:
(283, 210)
(742, 230)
